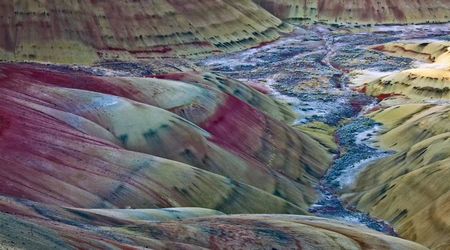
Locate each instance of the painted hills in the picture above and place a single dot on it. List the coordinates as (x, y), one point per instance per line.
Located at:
(101, 122)
(179, 158)
(113, 162)
(87, 31)
(430, 80)
(410, 189)
(360, 12)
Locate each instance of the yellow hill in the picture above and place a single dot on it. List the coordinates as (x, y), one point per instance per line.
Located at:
(428, 81)
(411, 188)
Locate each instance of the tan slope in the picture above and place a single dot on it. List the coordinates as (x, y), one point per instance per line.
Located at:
(434, 51)
(85, 31)
(428, 81)
(411, 188)
(418, 84)
(360, 12)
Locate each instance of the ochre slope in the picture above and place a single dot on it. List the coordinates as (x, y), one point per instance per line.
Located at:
(86, 31)
(411, 188)
(360, 12)
(44, 226)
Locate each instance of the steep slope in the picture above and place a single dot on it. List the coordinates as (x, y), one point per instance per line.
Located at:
(44, 226)
(411, 188)
(85, 31)
(360, 12)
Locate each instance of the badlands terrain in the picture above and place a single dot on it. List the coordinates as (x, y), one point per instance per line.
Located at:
(222, 124)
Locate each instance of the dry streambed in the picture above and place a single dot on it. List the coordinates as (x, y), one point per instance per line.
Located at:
(310, 70)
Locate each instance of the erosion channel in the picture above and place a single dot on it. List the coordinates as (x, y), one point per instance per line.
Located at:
(311, 70)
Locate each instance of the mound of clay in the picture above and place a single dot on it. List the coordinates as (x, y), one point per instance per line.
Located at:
(360, 12)
(419, 84)
(411, 188)
(436, 51)
(428, 81)
(41, 226)
(87, 31)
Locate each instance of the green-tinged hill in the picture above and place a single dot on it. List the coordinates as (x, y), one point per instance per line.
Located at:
(86, 31)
